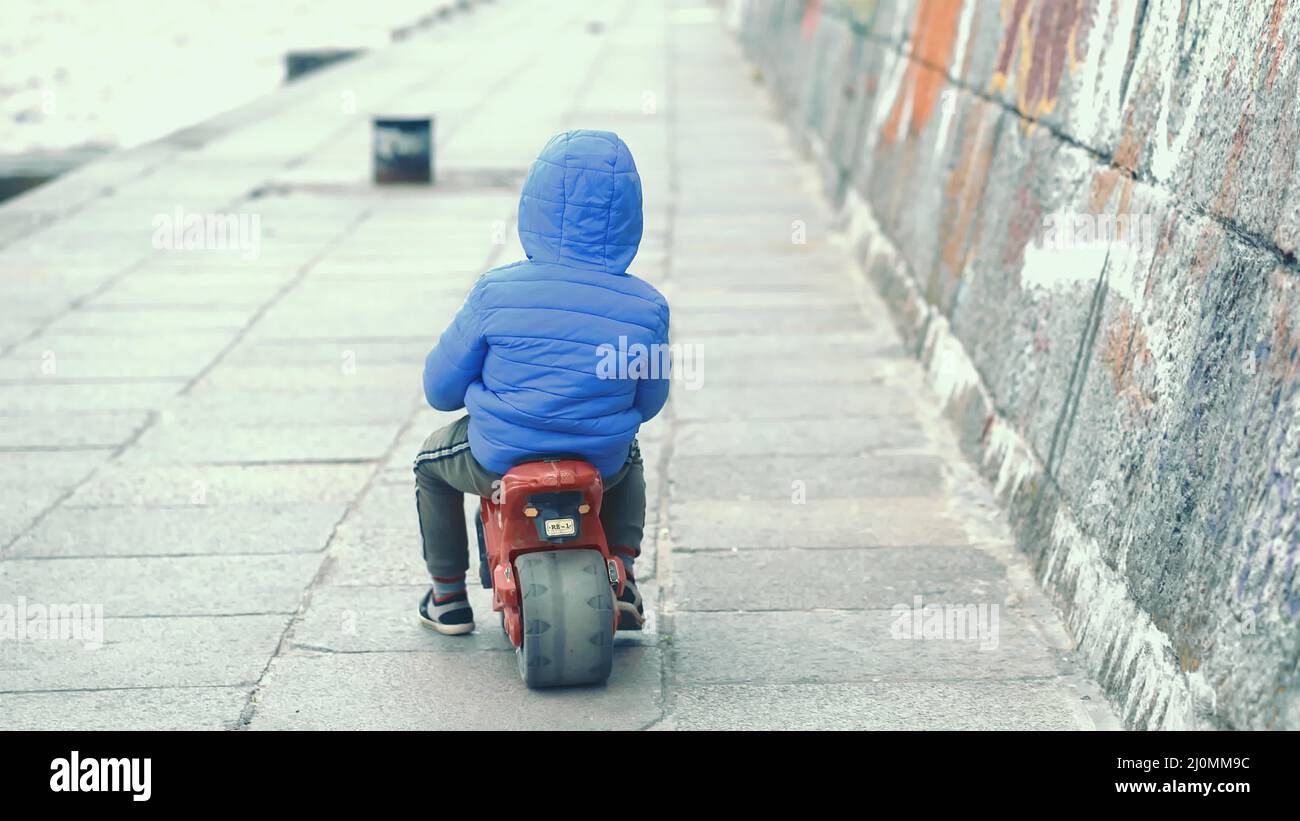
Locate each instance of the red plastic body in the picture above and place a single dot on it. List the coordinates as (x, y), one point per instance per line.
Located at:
(508, 533)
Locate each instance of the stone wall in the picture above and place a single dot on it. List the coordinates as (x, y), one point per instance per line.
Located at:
(1084, 215)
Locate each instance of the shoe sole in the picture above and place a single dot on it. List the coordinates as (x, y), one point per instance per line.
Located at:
(447, 629)
(628, 610)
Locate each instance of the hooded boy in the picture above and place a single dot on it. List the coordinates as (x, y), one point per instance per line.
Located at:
(523, 355)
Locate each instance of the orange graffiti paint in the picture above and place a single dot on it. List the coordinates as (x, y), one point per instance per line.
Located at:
(936, 33)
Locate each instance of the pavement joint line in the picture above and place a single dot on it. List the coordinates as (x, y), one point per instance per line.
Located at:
(901, 455)
(741, 551)
(833, 611)
(808, 418)
(128, 689)
(89, 448)
(411, 586)
(882, 680)
(157, 616)
(92, 380)
(366, 651)
(247, 463)
(817, 549)
(152, 416)
(171, 307)
(650, 724)
(188, 506)
(135, 333)
(663, 519)
(303, 341)
(101, 557)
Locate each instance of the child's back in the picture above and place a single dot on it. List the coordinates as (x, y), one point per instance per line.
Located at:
(529, 355)
(524, 354)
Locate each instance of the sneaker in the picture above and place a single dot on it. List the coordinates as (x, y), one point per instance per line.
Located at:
(451, 616)
(631, 613)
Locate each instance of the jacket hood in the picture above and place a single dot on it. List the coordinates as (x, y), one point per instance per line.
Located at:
(581, 203)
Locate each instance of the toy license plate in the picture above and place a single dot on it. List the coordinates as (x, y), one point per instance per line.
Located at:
(560, 527)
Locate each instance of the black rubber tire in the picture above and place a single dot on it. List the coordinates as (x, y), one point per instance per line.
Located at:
(484, 572)
(568, 615)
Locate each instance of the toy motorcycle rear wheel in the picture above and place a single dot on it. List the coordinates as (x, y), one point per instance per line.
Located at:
(568, 618)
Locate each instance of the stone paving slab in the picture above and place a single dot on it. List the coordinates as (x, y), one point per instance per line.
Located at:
(306, 409)
(375, 544)
(382, 618)
(30, 484)
(809, 402)
(162, 709)
(180, 531)
(759, 348)
(165, 586)
(430, 691)
(1040, 704)
(819, 523)
(176, 349)
(267, 444)
(128, 321)
(148, 652)
(218, 289)
(876, 578)
(821, 437)
(23, 503)
(385, 380)
(792, 370)
(184, 486)
(333, 353)
(744, 478)
(51, 397)
(14, 329)
(835, 319)
(49, 468)
(805, 302)
(840, 646)
(62, 429)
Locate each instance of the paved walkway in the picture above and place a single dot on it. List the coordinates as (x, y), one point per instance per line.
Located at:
(217, 450)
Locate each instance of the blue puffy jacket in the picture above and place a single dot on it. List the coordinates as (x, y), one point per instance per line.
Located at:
(524, 354)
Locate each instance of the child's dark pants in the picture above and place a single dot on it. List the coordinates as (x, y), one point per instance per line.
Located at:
(445, 470)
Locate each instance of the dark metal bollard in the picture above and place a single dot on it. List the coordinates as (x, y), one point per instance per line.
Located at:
(403, 149)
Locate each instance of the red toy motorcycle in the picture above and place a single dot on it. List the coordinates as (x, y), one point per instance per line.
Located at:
(542, 552)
